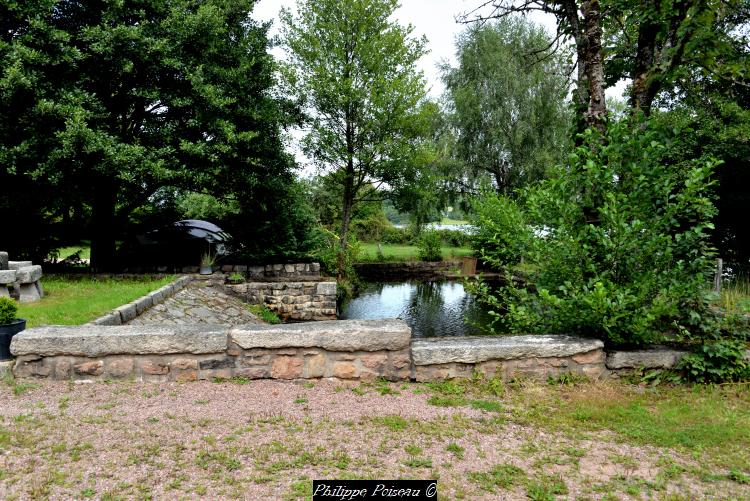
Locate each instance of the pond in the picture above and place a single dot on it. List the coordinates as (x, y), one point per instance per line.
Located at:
(430, 308)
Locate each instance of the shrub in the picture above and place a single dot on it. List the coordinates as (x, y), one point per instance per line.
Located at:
(716, 362)
(396, 236)
(8, 310)
(261, 311)
(455, 238)
(428, 246)
(501, 233)
(625, 254)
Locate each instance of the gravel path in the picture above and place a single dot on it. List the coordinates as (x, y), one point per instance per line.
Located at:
(267, 439)
(198, 303)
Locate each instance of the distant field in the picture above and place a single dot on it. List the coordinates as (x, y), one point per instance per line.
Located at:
(406, 252)
(75, 301)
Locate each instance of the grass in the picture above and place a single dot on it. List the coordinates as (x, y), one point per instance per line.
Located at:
(406, 252)
(735, 296)
(77, 300)
(261, 311)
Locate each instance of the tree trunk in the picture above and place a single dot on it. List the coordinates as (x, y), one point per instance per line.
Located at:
(103, 231)
(346, 217)
(596, 114)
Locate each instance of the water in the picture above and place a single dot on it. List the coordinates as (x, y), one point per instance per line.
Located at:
(430, 308)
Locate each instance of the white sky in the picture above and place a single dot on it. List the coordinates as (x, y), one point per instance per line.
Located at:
(435, 19)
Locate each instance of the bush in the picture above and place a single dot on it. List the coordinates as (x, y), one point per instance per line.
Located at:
(8, 310)
(716, 362)
(428, 246)
(625, 255)
(396, 236)
(501, 233)
(455, 238)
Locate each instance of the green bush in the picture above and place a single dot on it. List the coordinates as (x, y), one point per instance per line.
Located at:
(261, 311)
(396, 236)
(625, 253)
(455, 238)
(716, 362)
(501, 232)
(8, 310)
(428, 246)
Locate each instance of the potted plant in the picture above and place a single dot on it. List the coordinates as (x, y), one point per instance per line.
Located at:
(207, 263)
(9, 325)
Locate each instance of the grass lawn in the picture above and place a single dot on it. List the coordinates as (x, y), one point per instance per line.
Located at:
(242, 439)
(406, 252)
(77, 300)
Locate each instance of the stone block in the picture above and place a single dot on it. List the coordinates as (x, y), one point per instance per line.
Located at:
(127, 312)
(315, 366)
(482, 348)
(183, 364)
(186, 376)
(62, 369)
(108, 319)
(4, 291)
(592, 357)
(289, 268)
(28, 293)
(656, 358)
(96, 341)
(253, 372)
(216, 363)
(7, 277)
(120, 368)
(240, 268)
(375, 361)
(326, 289)
(336, 335)
(17, 265)
(93, 368)
(315, 267)
(344, 370)
(286, 367)
(142, 304)
(31, 367)
(28, 274)
(3, 260)
(153, 368)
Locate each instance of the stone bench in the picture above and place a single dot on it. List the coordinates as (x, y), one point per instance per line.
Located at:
(7, 279)
(30, 289)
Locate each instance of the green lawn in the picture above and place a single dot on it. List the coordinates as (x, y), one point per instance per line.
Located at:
(406, 252)
(77, 300)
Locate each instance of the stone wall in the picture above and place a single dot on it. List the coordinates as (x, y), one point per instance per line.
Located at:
(505, 357)
(404, 270)
(295, 271)
(295, 301)
(354, 349)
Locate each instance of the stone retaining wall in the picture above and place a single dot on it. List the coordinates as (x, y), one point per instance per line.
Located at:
(295, 301)
(127, 312)
(294, 271)
(403, 270)
(355, 349)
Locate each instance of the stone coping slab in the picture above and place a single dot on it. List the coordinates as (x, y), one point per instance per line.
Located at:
(7, 277)
(654, 358)
(332, 335)
(97, 340)
(474, 349)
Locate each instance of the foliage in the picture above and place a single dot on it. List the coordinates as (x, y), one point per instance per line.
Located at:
(353, 69)
(208, 260)
(716, 362)
(326, 252)
(262, 312)
(104, 104)
(206, 207)
(8, 310)
(510, 113)
(501, 232)
(625, 255)
(428, 246)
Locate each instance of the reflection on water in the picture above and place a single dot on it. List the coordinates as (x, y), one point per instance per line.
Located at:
(430, 308)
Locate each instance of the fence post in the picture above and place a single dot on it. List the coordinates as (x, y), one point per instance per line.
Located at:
(719, 273)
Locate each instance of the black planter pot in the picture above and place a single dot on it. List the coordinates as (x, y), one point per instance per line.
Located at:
(7, 331)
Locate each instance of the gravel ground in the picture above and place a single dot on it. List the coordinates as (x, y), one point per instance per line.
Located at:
(267, 439)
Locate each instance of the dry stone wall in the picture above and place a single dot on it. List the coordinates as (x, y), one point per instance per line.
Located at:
(295, 301)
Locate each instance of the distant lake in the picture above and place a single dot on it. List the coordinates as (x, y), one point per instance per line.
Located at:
(430, 308)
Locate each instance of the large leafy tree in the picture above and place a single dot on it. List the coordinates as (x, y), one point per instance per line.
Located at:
(107, 102)
(507, 108)
(354, 70)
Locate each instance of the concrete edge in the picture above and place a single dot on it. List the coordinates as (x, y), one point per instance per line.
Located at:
(127, 312)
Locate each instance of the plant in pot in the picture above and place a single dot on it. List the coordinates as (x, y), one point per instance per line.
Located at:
(207, 263)
(9, 325)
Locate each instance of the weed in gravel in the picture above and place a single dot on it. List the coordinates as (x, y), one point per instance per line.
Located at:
(455, 449)
(486, 405)
(419, 462)
(446, 400)
(739, 477)
(413, 450)
(504, 476)
(393, 422)
(545, 488)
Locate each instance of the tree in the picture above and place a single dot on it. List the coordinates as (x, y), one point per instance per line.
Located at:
(107, 102)
(354, 71)
(509, 111)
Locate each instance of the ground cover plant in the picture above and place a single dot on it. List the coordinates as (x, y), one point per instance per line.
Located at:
(76, 300)
(369, 252)
(482, 439)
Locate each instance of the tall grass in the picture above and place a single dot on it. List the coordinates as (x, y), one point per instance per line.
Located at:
(735, 296)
